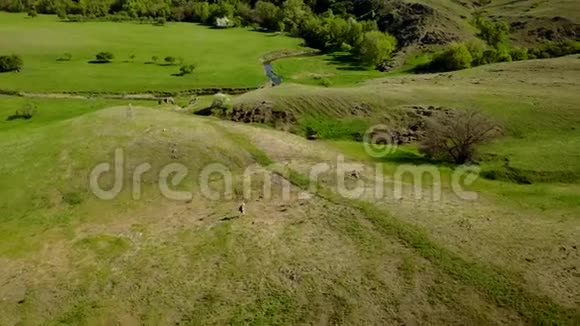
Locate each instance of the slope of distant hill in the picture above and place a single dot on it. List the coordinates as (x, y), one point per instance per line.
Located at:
(440, 21)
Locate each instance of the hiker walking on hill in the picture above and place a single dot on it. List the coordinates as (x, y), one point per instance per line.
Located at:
(242, 209)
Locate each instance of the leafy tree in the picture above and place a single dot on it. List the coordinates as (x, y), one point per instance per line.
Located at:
(267, 15)
(147, 8)
(555, 49)
(170, 60)
(155, 59)
(376, 47)
(476, 48)
(245, 13)
(187, 69)
(221, 104)
(454, 136)
(355, 31)
(338, 30)
(132, 57)
(200, 12)
(455, 57)
(160, 21)
(315, 33)
(489, 56)
(503, 55)
(495, 35)
(10, 63)
(32, 13)
(99, 8)
(27, 111)
(325, 82)
(221, 9)
(294, 13)
(65, 57)
(104, 56)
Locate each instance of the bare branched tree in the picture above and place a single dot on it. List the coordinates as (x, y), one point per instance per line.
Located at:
(454, 135)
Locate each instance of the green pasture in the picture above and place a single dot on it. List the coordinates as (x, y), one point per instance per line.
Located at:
(223, 58)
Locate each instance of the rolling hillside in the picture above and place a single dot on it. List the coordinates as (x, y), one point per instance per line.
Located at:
(270, 207)
(69, 257)
(532, 22)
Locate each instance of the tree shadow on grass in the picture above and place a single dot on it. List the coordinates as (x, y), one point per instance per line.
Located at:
(229, 218)
(160, 64)
(204, 112)
(346, 61)
(412, 158)
(99, 61)
(19, 116)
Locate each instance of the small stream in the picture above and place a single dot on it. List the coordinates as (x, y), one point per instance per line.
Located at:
(269, 70)
(271, 74)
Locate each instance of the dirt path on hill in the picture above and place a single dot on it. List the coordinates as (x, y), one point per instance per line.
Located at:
(544, 251)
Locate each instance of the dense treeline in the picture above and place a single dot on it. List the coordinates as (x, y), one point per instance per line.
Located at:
(492, 46)
(185, 10)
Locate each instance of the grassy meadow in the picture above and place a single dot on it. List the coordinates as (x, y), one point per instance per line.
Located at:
(223, 58)
(323, 70)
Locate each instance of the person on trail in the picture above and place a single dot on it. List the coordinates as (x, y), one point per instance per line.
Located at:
(242, 209)
(130, 111)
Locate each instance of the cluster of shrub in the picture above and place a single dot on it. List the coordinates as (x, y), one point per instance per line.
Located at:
(106, 57)
(169, 60)
(26, 112)
(330, 33)
(10, 63)
(491, 47)
(185, 69)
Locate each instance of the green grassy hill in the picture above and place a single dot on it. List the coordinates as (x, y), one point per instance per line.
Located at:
(532, 22)
(534, 100)
(321, 256)
(69, 257)
(536, 21)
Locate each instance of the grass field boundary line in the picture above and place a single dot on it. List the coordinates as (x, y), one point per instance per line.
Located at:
(498, 286)
(146, 95)
(282, 54)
